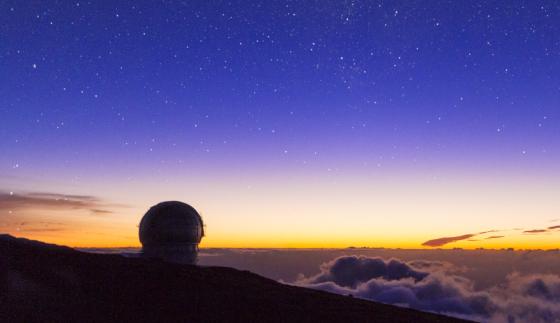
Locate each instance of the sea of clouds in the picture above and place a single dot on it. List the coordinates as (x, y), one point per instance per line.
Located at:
(438, 287)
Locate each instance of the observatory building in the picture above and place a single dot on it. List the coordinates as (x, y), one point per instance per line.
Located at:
(171, 231)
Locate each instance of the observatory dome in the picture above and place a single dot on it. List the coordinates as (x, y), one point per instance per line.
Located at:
(171, 231)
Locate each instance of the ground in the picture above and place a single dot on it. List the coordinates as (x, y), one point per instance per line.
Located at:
(47, 283)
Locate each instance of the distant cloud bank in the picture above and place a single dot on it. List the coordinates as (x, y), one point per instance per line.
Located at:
(445, 240)
(17, 205)
(43, 200)
(440, 242)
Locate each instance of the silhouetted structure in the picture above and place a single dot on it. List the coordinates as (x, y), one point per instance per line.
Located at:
(171, 231)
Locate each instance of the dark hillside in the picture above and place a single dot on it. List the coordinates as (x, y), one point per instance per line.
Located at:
(41, 282)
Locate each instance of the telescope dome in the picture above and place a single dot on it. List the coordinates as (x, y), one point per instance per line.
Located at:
(171, 231)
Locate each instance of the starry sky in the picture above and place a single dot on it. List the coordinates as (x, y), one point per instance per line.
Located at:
(285, 123)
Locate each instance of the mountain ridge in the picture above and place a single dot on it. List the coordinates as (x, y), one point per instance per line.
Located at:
(44, 282)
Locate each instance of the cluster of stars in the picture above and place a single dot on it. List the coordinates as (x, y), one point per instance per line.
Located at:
(356, 81)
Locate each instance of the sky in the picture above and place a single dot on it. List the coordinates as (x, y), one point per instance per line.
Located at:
(401, 124)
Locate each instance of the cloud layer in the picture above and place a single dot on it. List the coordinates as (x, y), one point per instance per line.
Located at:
(549, 229)
(39, 200)
(19, 216)
(445, 240)
(437, 287)
(440, 242)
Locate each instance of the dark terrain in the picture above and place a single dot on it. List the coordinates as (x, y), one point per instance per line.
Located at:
(47, 283)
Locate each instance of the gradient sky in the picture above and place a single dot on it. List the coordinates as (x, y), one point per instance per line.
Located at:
(285, 123)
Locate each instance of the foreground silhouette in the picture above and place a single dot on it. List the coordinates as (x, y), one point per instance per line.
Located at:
(41, 282)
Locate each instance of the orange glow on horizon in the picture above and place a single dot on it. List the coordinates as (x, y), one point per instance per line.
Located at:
(80, 240)
(311, 212)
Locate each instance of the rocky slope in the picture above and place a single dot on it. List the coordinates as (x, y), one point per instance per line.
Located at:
(47, 283)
